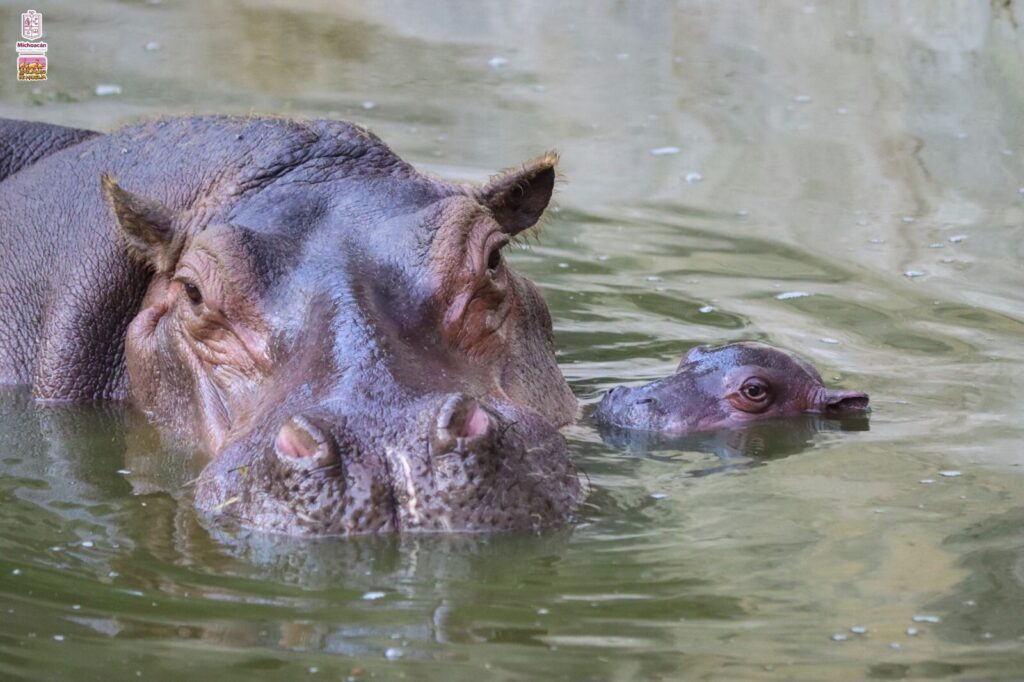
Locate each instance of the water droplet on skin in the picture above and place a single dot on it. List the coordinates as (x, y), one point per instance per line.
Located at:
(372, 596)
(786, 295)
(951, 473)
(913, 273)
(926, 619)
(706, 309)
(664, 151)
(694, 176)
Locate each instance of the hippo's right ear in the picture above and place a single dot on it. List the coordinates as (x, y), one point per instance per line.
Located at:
(147, 225)
(517, 198)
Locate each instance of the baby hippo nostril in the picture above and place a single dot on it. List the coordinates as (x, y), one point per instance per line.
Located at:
(461, 420)
(299, 440)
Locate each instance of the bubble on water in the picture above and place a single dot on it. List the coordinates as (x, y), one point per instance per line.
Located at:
(950, 473)
(664, 151)
(743, 213)
(786, 295)
(957, 238)
(76, 607)
(393, 654)
(542, 612)
(914, 273)
(372, 596)
(876, 240)
(858, 629)
(602, 258)
(912, 632)
(87, 543)
(961, 136)
(839, 637)
(152, 45)
(58, 638)
(653, 278)
(829, 340)
(693, 176)
(16, 571)
(369, 104)
(970, 602)
(908, 218)
(124, 472)
(986, 635)
(926, 481)
(926, 619)
(313, 669)
(622, 56)
(1020, 190)
(497, 61)
(706, 309)
(563, 265)
(842, 111)
(895, 645)
(107, 89)
(803, 99)
(658, 496)
(936, 245)
(1006, 152)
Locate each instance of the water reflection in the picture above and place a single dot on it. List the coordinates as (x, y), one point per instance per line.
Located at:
(739, 448)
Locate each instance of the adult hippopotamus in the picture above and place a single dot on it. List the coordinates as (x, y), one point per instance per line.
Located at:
(718, 387)
(340, 333)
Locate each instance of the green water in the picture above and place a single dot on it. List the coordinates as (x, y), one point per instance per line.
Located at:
(825, 149)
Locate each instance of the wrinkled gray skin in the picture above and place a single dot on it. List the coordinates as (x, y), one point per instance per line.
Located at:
(339, 333)
(726, 387)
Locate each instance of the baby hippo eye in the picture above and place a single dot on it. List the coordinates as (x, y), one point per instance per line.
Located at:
(755, 390)
(192, 291)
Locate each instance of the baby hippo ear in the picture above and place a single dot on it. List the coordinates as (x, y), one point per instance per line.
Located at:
(692, 355)
(147, 225)
(517, 198)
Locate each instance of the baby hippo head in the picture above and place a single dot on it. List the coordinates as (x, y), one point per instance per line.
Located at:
(726, 386)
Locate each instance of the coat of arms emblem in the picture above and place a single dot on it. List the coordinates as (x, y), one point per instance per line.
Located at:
(31, 25)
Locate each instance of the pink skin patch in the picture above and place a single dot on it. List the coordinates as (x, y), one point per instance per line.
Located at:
(294, 442)
(476, 425)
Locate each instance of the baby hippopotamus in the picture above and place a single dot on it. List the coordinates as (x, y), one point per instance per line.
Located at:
(726, 386)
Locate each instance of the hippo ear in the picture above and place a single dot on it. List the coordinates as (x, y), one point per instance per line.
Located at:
(517, 198)
(147, 225)
(692, 355)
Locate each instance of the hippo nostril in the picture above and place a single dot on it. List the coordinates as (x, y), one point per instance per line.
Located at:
(460, 420)
(301, 440)
(644, 401)
(843, 402)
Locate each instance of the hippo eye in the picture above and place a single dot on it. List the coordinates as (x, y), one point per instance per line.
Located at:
(755, 390)
(494, 260)
(192, 291)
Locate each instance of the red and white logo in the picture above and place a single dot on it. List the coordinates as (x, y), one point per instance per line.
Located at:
(31, 25)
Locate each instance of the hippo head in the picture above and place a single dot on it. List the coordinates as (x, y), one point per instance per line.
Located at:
(346, 339)
(727, 386)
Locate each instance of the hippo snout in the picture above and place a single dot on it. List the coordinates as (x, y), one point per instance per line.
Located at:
(839, 403)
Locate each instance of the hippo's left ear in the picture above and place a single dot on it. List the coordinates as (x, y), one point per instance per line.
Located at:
(517, 198)
(147, 225)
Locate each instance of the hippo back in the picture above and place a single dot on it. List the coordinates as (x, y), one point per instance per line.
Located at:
(22, 143)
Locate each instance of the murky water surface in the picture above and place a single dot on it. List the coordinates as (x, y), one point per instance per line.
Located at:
(845, 180)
